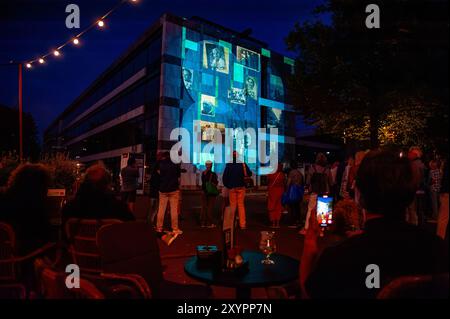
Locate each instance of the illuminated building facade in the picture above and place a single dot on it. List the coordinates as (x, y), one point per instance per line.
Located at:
(181, 72)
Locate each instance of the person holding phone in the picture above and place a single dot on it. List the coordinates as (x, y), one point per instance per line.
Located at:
(318, 181)
(386, 187)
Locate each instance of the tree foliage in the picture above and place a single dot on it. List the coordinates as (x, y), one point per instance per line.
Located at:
(9, 133)
(383, 85)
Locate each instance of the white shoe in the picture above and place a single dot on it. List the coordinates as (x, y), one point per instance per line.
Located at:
(177, 231)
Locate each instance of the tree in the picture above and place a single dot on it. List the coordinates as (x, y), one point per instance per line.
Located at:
(9, 133)
(381, 85)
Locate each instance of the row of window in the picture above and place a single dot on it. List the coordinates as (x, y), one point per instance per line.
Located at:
(145, 93)
(123, 135)
(146, 56)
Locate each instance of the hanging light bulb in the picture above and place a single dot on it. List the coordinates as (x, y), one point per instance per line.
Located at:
(41, 61)
(56, 53)
(76, 41)
(28, 65)
(101, 24)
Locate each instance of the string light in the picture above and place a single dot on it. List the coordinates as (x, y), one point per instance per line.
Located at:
(100, 23)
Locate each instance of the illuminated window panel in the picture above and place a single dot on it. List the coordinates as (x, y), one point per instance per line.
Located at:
(265, 52)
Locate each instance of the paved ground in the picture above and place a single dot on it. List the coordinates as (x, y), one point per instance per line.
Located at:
(174, 256)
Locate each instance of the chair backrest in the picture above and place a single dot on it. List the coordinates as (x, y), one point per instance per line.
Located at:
(120, 286)
(7, 250)
(416, 287)
(53, 287)
(13, 291)
(131, 248)
(81, 234)
(52, 284)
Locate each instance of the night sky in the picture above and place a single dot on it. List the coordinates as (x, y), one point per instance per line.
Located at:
(31, 28)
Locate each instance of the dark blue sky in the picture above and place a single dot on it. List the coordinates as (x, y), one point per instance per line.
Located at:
(32, 27)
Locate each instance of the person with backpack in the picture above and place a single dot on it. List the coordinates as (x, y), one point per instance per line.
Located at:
(318, 180)
(209, 194)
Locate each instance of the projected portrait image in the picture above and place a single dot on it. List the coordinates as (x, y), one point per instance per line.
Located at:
(248, 58)
(208, 105)
(209, 135)
(251, 87)
(274, 117)
(237, 96)
(276, 88)
(188, 78)
(215, 57)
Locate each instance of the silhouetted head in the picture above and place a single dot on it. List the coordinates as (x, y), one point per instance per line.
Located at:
(434, 164)
(414, 153)
(321, 159)
(29, 182)
(97, 179)
(386, 184)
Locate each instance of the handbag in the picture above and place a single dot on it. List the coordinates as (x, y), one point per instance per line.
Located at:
(210, 188)
(293, 194)
(248, 181)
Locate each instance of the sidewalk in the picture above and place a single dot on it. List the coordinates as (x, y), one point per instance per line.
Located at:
(174, 256)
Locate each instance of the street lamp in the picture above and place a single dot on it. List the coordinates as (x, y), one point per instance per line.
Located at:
(20, 115)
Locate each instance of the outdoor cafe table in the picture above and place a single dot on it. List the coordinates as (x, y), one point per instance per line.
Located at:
(283, 271)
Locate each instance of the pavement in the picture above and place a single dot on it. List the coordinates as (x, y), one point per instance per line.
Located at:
(174, 256)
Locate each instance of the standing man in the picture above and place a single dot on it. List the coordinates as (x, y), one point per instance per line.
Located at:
(130, 176)
(169, 192)
(154, 182)
(234, 179)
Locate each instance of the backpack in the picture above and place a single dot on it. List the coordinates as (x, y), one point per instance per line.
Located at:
(319, 181)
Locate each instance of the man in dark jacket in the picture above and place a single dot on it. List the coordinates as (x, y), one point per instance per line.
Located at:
(234, 179)
(130, 176)
(168, 192)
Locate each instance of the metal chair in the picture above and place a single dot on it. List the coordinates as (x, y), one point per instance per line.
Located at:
(52, 284)
(132, 248)
(81, 234)
(12, 285)
(121, 286)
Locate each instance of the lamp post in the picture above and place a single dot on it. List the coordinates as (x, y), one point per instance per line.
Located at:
(20, 115)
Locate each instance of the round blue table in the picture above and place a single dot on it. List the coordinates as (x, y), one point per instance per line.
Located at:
(283, 271)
